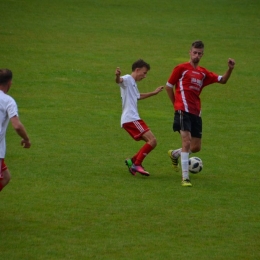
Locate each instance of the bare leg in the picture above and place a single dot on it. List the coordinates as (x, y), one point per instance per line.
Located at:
(149, 138)
(6, 178)
(195, 145)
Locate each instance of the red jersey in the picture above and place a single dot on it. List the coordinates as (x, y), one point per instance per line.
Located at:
(189, 83)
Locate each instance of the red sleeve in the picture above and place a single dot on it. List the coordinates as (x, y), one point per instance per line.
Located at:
(211, 78)
(175, 76)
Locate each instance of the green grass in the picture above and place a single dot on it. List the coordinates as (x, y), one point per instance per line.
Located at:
(71, 196)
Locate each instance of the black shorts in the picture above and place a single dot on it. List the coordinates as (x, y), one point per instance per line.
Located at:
(184, 121)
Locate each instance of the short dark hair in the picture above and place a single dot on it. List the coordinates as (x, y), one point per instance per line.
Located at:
(5, 76)
(198, 45)
(140, 64)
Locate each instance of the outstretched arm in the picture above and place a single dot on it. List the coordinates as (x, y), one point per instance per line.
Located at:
(149, 94)
(20, 130)
(225, 77)
(118, 79)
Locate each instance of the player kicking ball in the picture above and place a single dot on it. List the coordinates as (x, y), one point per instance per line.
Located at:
(184, 88)
(130, 119)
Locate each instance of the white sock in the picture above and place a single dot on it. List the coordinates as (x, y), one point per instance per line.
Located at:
(185, 165)
(176, 153)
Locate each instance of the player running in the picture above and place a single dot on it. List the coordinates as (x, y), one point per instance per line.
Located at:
(130, 119)
(189, 79)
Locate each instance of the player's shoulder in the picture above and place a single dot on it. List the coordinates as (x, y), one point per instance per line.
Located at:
(183, 66)
(7, 99)
(128, 79)
(127, 76)
(5, 96)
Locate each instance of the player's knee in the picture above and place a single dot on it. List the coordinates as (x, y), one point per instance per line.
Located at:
(153, 142)
(7, 176)
(196, 149)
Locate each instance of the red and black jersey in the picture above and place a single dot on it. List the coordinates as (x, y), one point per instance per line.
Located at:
(189, 83)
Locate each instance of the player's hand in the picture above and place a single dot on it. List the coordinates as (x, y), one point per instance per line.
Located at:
(231, 63)
(26, 143)
(159, 89)
(118, 72)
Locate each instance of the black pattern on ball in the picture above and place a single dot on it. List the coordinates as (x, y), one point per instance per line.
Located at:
(195, 165)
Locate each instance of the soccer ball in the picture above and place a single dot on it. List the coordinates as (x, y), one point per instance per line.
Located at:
(195, 165)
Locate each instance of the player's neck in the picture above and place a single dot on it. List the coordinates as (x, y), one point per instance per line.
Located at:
(194, 65)
(4, 89)
(134, 76)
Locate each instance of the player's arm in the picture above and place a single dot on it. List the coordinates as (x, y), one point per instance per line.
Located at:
(172, 81)
(20, 130)
(149, 94)
(170, 93)
(225, 77)
(118, 79)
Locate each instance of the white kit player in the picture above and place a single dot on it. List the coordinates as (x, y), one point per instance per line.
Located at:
(130, 119)
(8, 111)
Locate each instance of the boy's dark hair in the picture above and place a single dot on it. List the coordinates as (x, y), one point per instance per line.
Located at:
(140, 64)
(5, 76)
(197, 45)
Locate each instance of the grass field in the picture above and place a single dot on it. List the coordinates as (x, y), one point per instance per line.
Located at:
(71, 196)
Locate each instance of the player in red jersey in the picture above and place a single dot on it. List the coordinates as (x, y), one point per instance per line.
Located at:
(189, 79)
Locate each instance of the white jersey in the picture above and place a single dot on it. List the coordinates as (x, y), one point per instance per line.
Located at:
(129, 94)
(8, 109)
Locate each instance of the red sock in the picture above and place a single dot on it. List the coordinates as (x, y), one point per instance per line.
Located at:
(143, 152)
(134, 157)
(1, 186)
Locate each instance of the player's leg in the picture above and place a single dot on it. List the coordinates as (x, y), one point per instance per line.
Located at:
(150, 144)
(139, 131)
(150, 139)
(6, 178)
(183, 124)
(186, 142)
(5, 175)
(196, 134)
(195, 145)
(175, 154)
(191, 141)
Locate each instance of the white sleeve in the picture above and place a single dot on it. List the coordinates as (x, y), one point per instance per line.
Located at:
(12, 109)
(124, 83)
(169, 85)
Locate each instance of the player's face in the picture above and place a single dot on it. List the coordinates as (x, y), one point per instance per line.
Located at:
(196, 55)
(141, 73)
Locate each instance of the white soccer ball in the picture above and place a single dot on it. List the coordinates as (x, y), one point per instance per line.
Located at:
(195, 165)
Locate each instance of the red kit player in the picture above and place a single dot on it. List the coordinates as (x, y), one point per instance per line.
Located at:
(183, 88)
